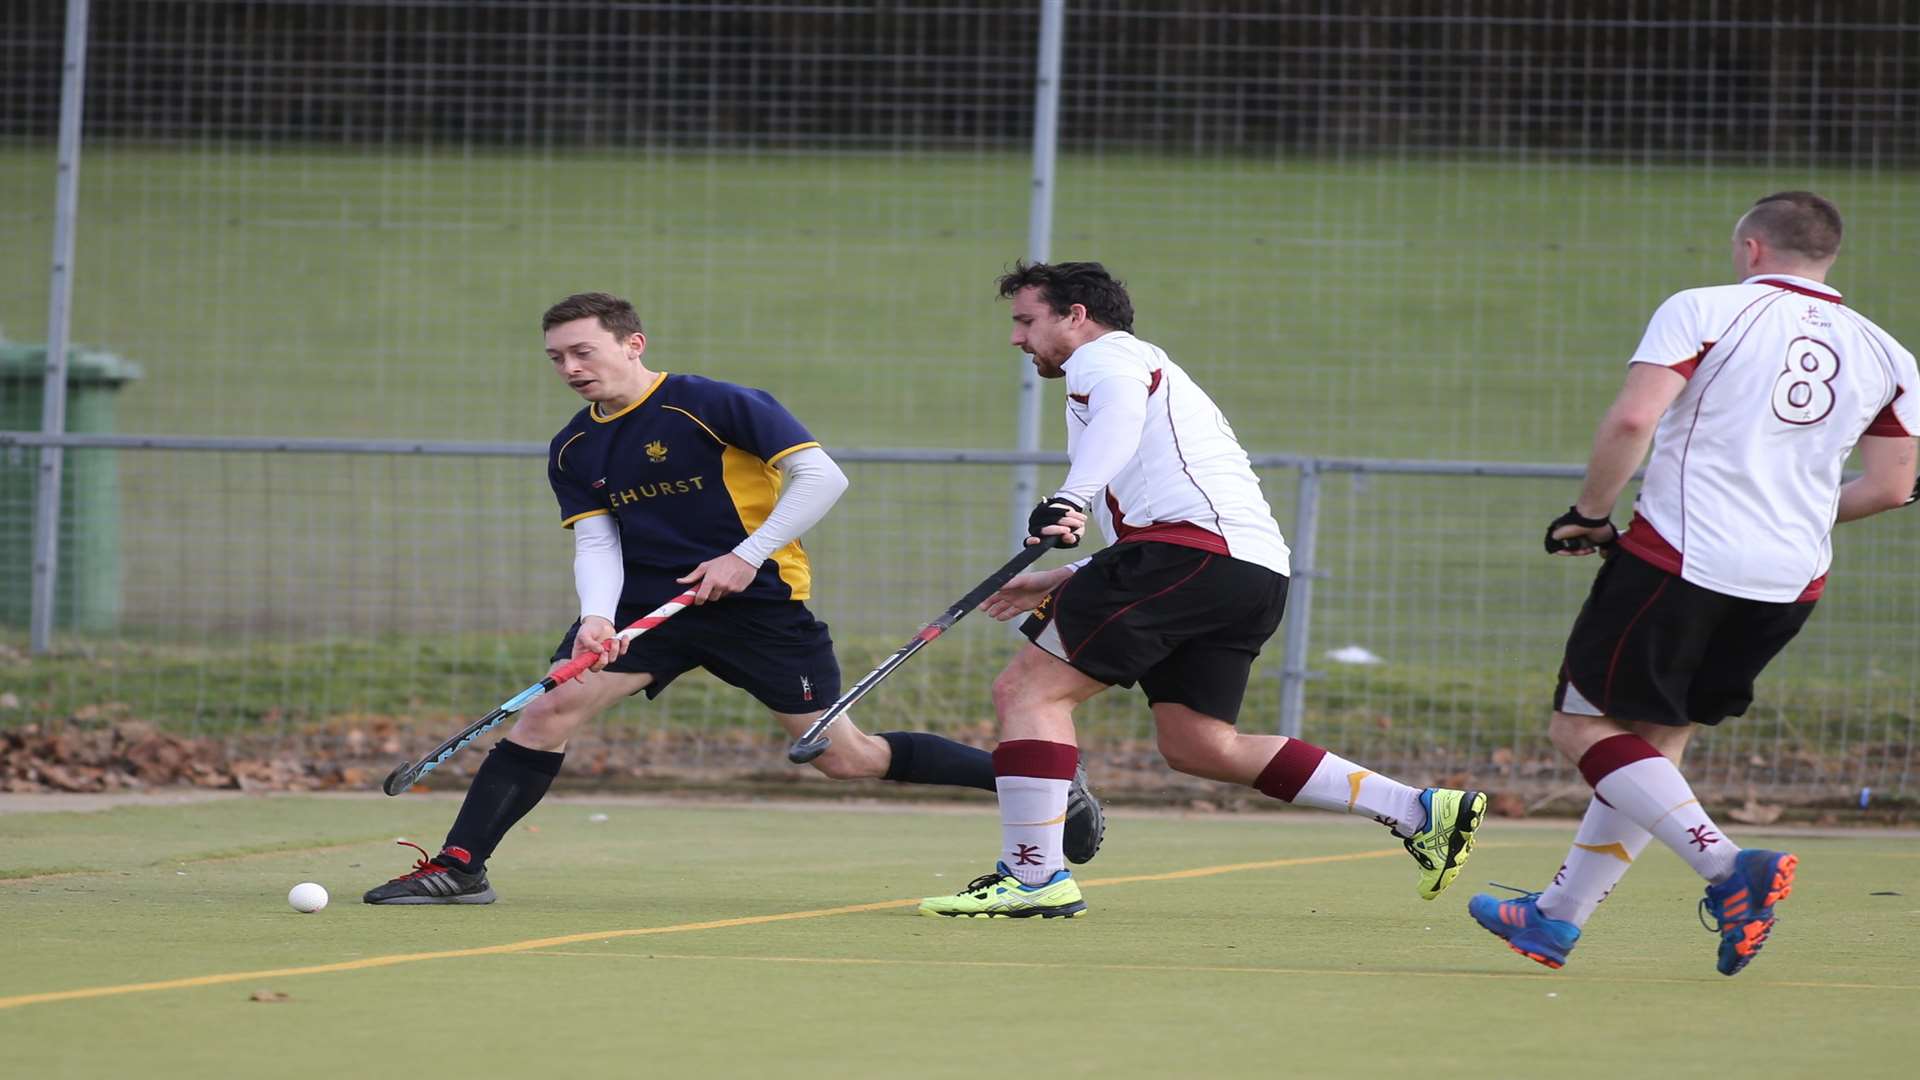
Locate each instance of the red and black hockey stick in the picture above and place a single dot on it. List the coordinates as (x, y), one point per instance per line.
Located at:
(813, 742)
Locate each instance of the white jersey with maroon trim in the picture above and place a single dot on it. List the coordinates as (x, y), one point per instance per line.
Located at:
(1189, 483)
(1744, 482)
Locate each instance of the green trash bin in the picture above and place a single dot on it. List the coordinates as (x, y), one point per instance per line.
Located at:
(87, 593)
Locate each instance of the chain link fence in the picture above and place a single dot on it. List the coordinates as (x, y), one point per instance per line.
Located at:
(1386, 237)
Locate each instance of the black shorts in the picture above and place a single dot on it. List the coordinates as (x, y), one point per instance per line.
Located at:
(773, 649)
(1183, 623)
(1652, 647)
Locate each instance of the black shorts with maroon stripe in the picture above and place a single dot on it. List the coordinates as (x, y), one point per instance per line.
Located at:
(1653, 647)
(1184, 623)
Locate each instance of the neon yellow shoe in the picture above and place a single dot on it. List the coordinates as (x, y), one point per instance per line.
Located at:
(1000, 895)
(1442, 847)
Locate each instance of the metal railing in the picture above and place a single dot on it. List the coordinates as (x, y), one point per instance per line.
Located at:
(1433, 565)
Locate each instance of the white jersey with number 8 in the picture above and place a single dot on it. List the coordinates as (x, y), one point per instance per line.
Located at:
(1782, 380)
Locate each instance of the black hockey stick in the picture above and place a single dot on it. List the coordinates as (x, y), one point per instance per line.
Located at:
(813, 742)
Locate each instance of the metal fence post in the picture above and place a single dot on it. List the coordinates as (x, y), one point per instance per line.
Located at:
(53, 402)
(1293, 666)
(1046, 128)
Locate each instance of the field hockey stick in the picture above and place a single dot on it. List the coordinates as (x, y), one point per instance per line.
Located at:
(408, 773)
(813, 742)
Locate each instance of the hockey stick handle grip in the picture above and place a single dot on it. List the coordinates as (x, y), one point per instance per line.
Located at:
(572, 668)
(995, 581)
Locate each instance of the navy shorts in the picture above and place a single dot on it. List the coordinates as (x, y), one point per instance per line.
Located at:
(1653, 647)
(773, 649)
(1184, 624)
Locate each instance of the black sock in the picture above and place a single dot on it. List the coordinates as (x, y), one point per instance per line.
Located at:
(920, 758)
(507, 785)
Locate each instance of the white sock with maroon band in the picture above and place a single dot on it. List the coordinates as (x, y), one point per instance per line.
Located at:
(1648, 790)
(1033, 777)
(1305, 775)
(1602, 851)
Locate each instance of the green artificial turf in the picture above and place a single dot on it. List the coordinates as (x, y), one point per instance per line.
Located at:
(1294, 947)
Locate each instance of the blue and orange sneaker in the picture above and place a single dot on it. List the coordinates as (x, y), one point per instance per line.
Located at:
(1743, 904)
(1533, 935)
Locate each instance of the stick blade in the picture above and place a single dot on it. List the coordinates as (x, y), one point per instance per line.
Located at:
(803, 751)
(400, 779)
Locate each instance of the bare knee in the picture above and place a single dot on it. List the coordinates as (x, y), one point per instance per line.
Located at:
(1196, 753)
(1008, 691)
(1561, 731)
(1670, 740)
(1573, 735)
(546, 728)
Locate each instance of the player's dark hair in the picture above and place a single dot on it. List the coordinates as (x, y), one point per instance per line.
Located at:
(616, 316)
(1063, 285)
(1797, 221)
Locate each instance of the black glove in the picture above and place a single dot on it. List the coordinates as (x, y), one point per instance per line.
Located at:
(1578, 543)
(1050, 513)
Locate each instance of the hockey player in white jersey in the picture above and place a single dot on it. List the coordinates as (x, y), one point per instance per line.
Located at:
(1192, 583)
(1752, 397)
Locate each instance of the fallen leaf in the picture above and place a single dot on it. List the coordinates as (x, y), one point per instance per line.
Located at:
(1507, 804)
(269, 996)
(1756, 813)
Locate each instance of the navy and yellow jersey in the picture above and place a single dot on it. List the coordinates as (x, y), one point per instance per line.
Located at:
(687, 472)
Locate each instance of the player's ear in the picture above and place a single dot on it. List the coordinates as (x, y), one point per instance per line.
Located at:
(636, 344)
(1077, 314)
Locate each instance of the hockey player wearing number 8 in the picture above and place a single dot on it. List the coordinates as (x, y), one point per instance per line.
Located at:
(1190, 588)
(1751, 397)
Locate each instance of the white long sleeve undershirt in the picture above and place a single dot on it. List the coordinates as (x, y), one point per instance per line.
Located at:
(597, 570)
(1116, 412)
(810, 483)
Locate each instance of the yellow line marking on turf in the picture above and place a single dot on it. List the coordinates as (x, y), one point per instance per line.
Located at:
(1205, 969)
(447, 954)
(365, 963)
(1234, 868)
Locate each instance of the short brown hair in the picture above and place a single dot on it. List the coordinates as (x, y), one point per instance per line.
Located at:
(1797, 221)
(616, 316)
(1063, 285)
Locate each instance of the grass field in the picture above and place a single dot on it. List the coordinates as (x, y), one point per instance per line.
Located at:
(1406, 306)
(760, 940)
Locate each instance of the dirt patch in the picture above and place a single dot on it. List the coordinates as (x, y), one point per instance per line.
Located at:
(106, 754)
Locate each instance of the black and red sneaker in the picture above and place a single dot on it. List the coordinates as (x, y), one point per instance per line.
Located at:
(439, 879)
(1086, 823)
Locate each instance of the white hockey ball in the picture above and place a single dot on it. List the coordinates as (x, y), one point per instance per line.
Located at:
(307, 897)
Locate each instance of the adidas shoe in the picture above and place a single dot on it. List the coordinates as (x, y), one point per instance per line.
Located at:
(440, 879)
(1000, 895)
(1742, 905)
(1526, 931)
